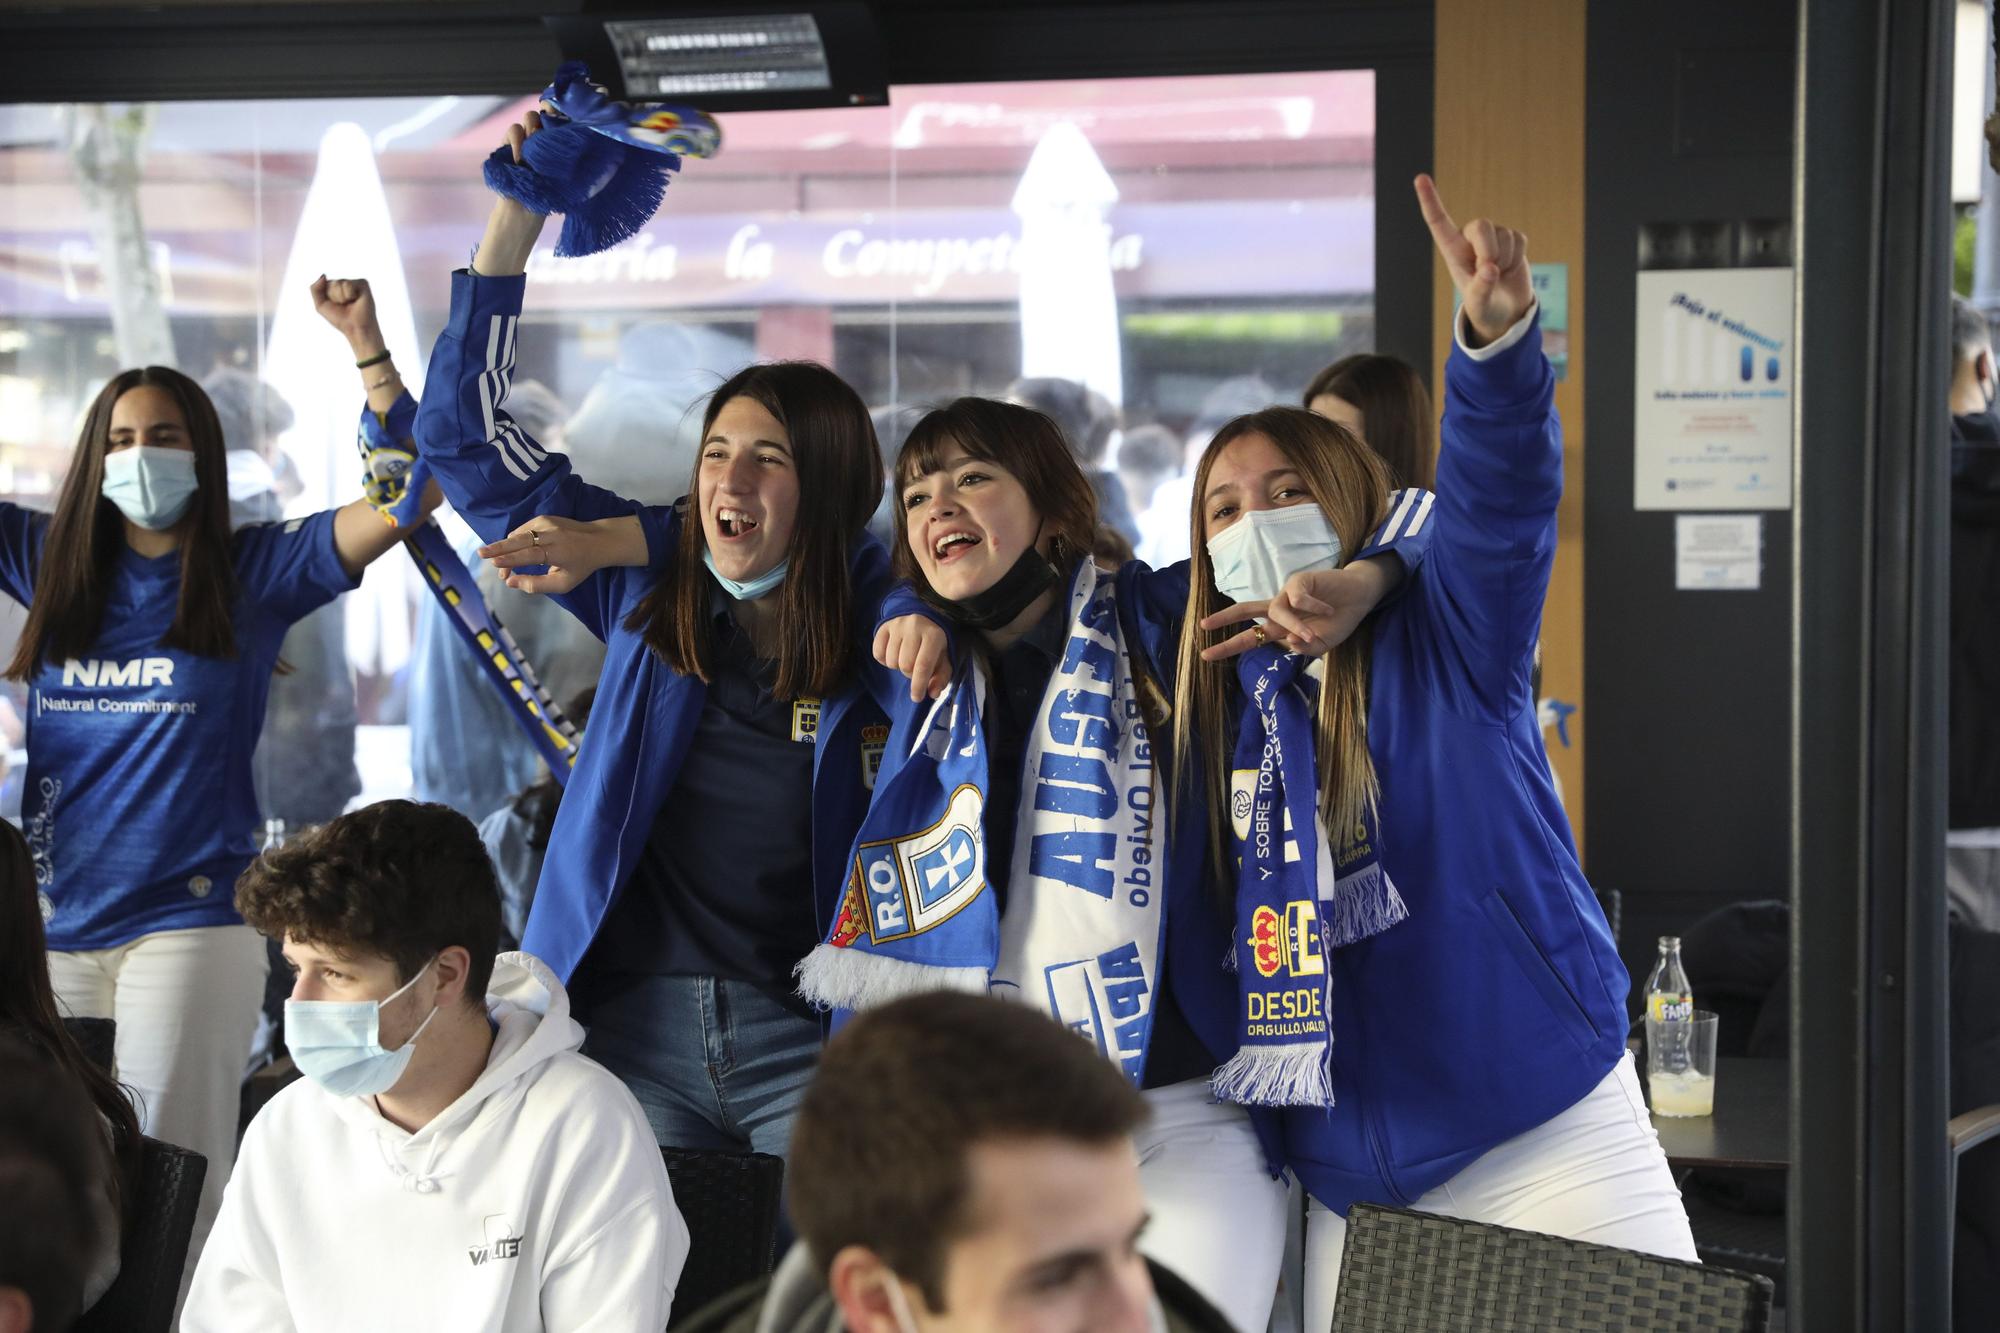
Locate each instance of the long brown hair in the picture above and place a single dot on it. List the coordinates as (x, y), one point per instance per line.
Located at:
(1025, 442)
(28, 1008)
(840, 483)
(1396, 413)
(87, 533)
(1351, 486)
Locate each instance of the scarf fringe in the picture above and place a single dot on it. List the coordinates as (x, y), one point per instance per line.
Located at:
(835, 978)
(1364, 903)
(607, 190)
(618, 209)
(1294, 1074)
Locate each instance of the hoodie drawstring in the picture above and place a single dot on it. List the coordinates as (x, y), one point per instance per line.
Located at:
(425, 1181)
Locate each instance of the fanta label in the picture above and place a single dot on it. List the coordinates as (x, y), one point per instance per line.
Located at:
(1670, 1008)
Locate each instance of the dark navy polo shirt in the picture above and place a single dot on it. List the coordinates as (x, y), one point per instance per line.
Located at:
(723, 887)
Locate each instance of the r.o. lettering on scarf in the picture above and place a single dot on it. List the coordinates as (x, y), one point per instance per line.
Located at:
(887, 892)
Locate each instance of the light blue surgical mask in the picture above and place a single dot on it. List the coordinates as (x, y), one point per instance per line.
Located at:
(150, 485)
(1253, 556)
(337, 1044)
(747, 590)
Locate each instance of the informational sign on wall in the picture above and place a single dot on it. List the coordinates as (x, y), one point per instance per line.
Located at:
(1712, 393)
(1718, 552)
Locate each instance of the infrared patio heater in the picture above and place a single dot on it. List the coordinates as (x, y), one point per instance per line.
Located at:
(729, 57)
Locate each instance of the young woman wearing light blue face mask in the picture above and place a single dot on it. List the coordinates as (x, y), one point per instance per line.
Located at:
(151, 639)
(1473, 1059)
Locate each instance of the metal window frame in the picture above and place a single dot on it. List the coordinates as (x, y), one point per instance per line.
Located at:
(1869, 1231)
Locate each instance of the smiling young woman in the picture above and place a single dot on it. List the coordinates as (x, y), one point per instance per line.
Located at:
(738, 719)
(1100, 913)
(756, 537)
(987, 538)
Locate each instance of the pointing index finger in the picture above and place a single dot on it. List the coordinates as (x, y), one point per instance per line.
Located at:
(1452, 245)
(1435, 215)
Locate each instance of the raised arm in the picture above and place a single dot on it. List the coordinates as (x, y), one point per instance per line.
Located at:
(363, 534)
(497, 476)
(511, 230)
(1500, 465)
(491, 468)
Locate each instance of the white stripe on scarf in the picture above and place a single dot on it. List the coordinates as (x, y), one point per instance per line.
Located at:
(1080, 938)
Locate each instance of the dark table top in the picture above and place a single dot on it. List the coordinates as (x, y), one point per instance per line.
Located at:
(1751, 1126)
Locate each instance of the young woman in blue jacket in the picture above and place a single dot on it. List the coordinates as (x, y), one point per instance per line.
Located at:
(995, 523)
(738, 719)
(1478, 1049)
(152, 636)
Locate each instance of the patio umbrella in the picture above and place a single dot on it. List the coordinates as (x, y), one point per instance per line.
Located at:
(1069, 311)
(344, 231)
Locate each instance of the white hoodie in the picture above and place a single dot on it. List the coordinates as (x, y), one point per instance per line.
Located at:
(538, 1200)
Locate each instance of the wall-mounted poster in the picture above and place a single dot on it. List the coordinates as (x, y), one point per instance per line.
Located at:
(1552, 290)
(1712, 392)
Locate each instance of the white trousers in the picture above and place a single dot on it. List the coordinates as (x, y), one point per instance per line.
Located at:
(186, 1004)
(1596, 1172)
(1218, 1218)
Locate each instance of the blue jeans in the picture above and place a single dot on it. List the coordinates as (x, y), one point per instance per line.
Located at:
(717, 1064)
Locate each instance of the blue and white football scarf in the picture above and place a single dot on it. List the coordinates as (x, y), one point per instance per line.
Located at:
(1293, 906)
(603, 164)
(1080, 938)
(394, 484)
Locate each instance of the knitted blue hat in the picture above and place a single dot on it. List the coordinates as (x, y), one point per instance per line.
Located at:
(602, 164)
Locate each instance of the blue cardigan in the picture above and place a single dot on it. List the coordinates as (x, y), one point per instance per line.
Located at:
(1500, 1002)
(645, 712)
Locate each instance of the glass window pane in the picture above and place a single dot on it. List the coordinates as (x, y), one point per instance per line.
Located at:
(1184, 249)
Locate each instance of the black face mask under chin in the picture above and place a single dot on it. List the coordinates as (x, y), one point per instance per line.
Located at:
(1030, 577)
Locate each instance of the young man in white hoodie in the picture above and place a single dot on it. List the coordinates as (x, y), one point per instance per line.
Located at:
(449, 1160)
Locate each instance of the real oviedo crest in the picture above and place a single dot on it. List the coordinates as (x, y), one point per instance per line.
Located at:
(904, 886)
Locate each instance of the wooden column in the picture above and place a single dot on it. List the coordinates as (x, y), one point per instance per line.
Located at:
(1509, 146)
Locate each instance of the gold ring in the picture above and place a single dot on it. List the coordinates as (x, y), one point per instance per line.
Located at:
(535, 536)
(1258, 630)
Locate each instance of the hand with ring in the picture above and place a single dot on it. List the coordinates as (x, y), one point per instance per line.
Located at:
(571, 550)
(1313, 613)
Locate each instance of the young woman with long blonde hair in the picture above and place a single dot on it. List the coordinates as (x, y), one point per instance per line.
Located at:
(1475, 1004)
